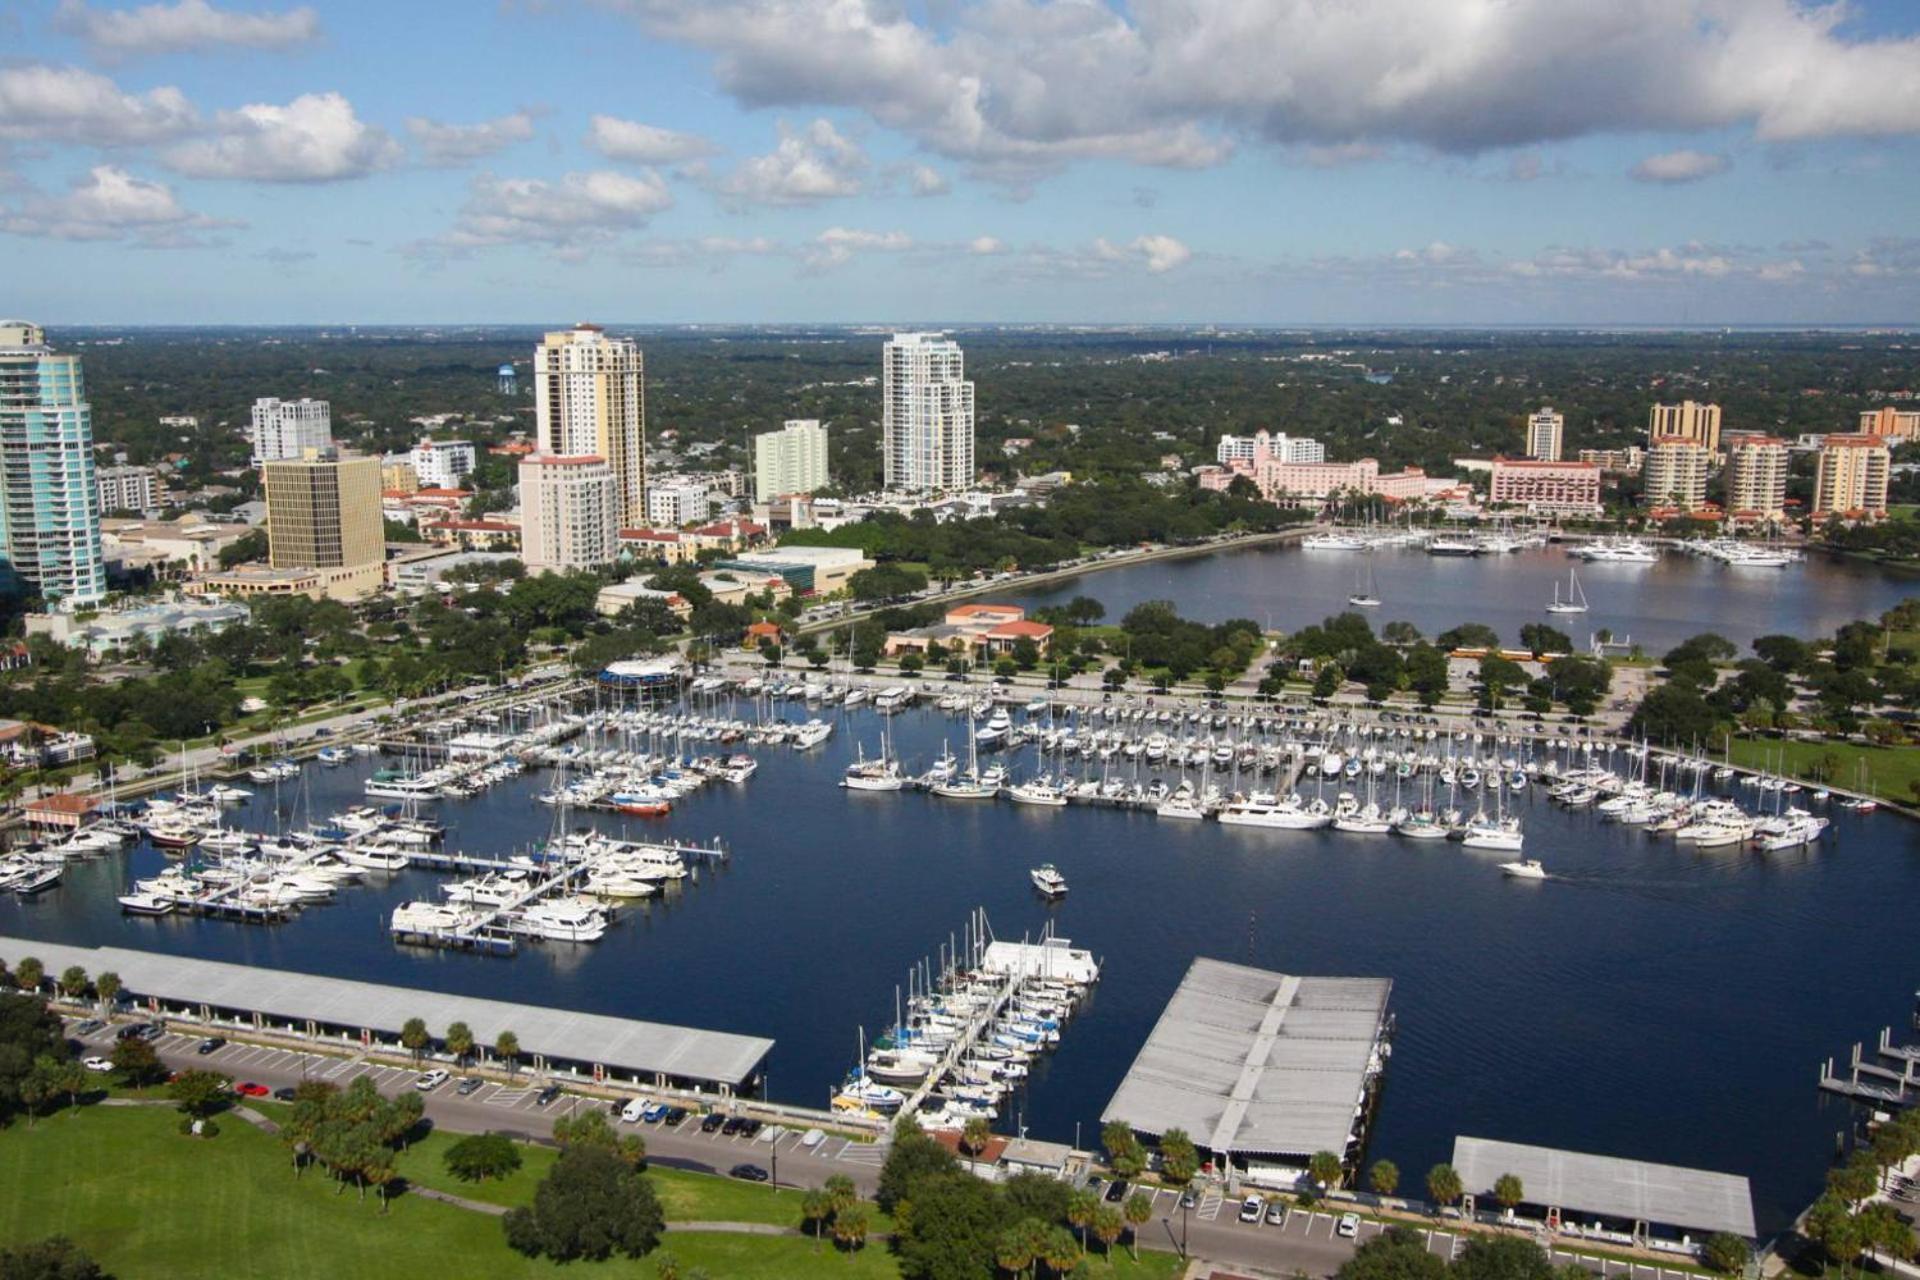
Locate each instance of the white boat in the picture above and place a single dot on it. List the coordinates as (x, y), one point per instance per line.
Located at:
(138, 903)
(998, 726)
(38, 880)
(1576, 601)
(564, 920)
(226, 794)
(1620, 551)
(1039, 792)
(428, 917)
(1364, 596)
(1524, 869)
(811, 734)
(1048, 881)
(1445, 545)
(1286, 815)
(1502, 834)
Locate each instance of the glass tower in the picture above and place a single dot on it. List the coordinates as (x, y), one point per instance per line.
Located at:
(49, 513)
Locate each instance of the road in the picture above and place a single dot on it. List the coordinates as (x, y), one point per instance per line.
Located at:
(1304, 1242)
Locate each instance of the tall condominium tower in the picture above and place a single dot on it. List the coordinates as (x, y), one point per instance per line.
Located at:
(790, 460)
(288, 428)
(49, 507)
(1688, 420)
(927, 414)
(567, 512)
(590, 394)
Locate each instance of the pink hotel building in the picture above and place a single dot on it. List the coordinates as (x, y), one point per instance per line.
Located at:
(1548, 488)
(1290, 482)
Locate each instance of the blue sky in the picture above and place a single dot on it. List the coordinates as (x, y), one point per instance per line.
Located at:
(1250, 161)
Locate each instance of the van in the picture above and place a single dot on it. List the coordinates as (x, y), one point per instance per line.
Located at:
(634, 1110)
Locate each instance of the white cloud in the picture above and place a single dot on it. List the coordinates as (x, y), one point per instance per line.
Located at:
(636, 143)
(928, 181)
(580, 209)
(450, 144)
(1017, 88)
(1163, 253)
(69, 104)
(985, 246)
(711, 252)
(1673, 167)
(836, 246)
(315, 138)
(182, 26)
(810, 164)
(110, 204)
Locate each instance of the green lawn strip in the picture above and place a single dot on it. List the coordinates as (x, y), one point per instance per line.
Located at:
(1890, 772)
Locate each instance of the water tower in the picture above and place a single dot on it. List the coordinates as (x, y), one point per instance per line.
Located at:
(507, 385)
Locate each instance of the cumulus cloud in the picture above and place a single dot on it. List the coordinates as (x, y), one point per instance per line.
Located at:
(985, 246)
(452, 144)
(837, 246)
(315, 138)
(183, 26)
(579, 210)
(69, 104)
(635, 143)
(815, 163)
(1019, 87)
(1673, 167)
(109, 203)
(710, 252)
(1162, 253)
(926, 180)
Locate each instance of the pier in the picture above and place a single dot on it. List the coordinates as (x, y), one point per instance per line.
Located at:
(1867, 1081)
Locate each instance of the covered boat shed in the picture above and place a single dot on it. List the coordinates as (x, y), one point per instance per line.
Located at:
(588, 1046)
(1257, 1064)
(1608, 1197)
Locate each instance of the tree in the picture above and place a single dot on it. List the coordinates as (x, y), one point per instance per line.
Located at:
(850, 1227)
(1138, 1210)
(1725, 1253)
(591, 1129)
(1540, 639)
(1498, 676)
(414, 1037)
(1179, 1160)
(911, 663)
(482, 1156)
(840, 1192)
(1398, 1253)
(1830, 1225)
(590, 1205)
(108, 985)
(1061, 1251)
(974, 1137)
(1014, 1249)
(1509, 1191)
(1325, 1168)
(136, 1062)
(1109, 1224)
(1082, 1205)
(73, 982)
(39, 1086)
(1123, 1149)
(29, 973)
(460, 1042)
(198, 1094)
(1383, 1177)
(55, 1258)
(1327, 681)
(815, 1210)
(1501, 1257)
(1469, 635)
(913, 1158)
(1443, 1185)
(506, 1047)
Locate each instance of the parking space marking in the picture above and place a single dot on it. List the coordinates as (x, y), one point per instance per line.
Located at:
(1209, 1206)
(507, 1097)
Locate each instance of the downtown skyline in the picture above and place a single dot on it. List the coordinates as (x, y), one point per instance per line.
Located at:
(1380, 162)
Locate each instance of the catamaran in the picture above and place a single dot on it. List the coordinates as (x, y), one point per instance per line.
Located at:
(1576, 601)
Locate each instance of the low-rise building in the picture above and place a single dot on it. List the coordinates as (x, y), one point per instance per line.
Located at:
(442, 464)
(398, 478)
(115, 631)
(617, 596)
(1278, 446)
(259, 580)
(978, 631)
(1289, 483)
(808, 570)
(676, 500)
(1626, 462)
(473, 535)
(1546, 487)
(738, 586)
(665, 546)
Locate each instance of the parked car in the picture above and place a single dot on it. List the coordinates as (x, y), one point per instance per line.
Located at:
(653, 1113)
(212, 1044)
(1188, 1199)
(1117, 1190)
(150, 1032)
(713, 1120)
(748, 1173)
(87, 1026)
(673, 1116)
(133, 1031)
(1348, 1227)
(428, 1081)
(97, 1063)
(470, 1086)
(1252, 1209)
(632, 1110)
(251, 1089)
(285, 1093)
(1276, 1214)
(546, 1096)
(734, 1125)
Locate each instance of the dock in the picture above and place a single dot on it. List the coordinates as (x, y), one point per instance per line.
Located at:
(1867, 1081)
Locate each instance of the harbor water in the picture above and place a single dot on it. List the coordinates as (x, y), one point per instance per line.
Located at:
(1646, 1000)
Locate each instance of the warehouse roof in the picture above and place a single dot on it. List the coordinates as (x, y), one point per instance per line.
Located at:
(1251, 1061)
(1632, 1190)
(620, 1044)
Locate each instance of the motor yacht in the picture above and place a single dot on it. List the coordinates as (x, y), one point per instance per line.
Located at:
(1049, 881)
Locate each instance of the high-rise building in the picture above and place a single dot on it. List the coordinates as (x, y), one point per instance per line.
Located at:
(1852, 479)
(569, 512)
(1675, 473)
(323, 514)
(1545, 431)
(1687, 420)
(49, 507)
(125, 488)
(590, 400)
(288, 428)
(1279, 448)
(1897, 424)
(442, 464)
(926, 418)
(1757, 476)
(790, 460)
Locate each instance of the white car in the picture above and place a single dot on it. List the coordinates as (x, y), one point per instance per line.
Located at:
(432, 1079)
(97, 1063)
(1348, 1227)
(1252, 1209)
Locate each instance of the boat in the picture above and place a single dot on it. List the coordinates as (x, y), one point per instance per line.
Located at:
(811, 734)
(1038, 791)
(998, 726)
(1619, 551)
(38, 881)
(1444, 545)
(1363, 596)
(1286, 815)
(1524, 869)
(146, 904)
(1576, 601)
(1048, 881)
(1500, 834)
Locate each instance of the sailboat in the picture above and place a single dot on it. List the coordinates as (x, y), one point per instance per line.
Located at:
(1576, 601)
(1364, 597)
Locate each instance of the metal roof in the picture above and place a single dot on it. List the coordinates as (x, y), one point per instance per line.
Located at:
(1632, 1190)
(619, 1044)
(1248, 1060)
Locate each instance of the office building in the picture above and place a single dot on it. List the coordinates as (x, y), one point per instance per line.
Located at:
(1675, 473)
(126, 488)
(442, 464)
(1687, 420)
(1756, 476)
(288, 428)
(926, 414)
(1546, 487)
(1852, 479)
(49, 507)
(1545, 432)
(1280, 447)
(399, 477)
(323, 514)
(1894, 424)
(1625, 461)
(569, 512)
(676, 500)
(791, 460)
(590, 401)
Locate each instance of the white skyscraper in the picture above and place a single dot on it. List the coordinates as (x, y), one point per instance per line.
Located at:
(590, 397)
(1545, 431)
(49, 507)
(927, 414)
(568, 508)
(790, 460)
(288, 428)
(442, 464)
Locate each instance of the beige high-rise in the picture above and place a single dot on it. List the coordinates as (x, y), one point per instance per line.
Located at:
(1852, 479)
(1546, 431)
(1675, 473)
(1902, 424)
(590, 397)
(323, 512)
(1686, 421)
(1757, 476)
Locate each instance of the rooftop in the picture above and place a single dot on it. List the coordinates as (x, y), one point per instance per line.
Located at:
(1631, 1190)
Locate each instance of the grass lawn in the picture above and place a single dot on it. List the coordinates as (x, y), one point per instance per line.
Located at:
(1891, 771)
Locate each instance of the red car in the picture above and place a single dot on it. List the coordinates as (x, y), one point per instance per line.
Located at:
(248, 1089)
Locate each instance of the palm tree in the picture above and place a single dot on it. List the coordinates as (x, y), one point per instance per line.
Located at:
(29, 974)
(1081, 1206)
(1108, 1225)
(1325, 1168)
(459, 1042)
(1061, 1251)
(1509, 1191)
(1443, 1185)
(1383, 1177)
(1013, 1250)
(815, 1209)
(415, 1037)
(850, 1227)
(1138, 1208)
(975, 1136)
(108, 985)
(506, 1047)
(73, 982)
(841, 1193)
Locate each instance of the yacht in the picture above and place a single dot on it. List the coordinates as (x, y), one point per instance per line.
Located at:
(38, 880)
(1524, 869)
(1576, 601)
(224, 794)
(1501, 834)
(140, 903)
(1286, 815)
(563, 920)
(1038, 791)
(1048, 881)
(1789, 830)
(899, 1066)
(1620, 551)
(1444, 545)
(811, 734)
(428, 917)
(1332, 541)
(1420, 825)
(998, 726)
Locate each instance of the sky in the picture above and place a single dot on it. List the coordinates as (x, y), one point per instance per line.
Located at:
(1469, 162)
